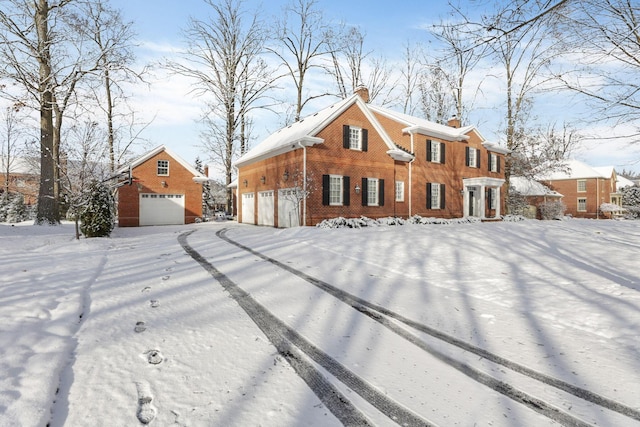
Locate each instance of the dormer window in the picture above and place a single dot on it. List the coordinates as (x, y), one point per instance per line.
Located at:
(163, 167)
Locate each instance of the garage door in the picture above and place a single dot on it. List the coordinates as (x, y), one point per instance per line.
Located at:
(161, 209)
(248, 208)
(287, 208)
(266, 208)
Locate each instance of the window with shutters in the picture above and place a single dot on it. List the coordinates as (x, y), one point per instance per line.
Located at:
(435, 151)
(354, 138)
(472, 157)
(494, 162)
(372, 192)
(435, 195)
(493, 198)
(335, 190)
(163, 167)
(399, 191)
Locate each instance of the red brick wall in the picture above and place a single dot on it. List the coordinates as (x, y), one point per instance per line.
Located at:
(598, 191)
(146, 180)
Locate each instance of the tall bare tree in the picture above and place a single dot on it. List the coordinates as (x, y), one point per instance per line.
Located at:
(223, 59)
(302, 36)
(12, 133)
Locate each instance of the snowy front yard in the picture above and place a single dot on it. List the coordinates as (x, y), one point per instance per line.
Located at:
(132, 329)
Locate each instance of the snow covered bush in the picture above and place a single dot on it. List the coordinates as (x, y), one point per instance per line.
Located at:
(516, 202)
(552, 210)
(16, 211)
(513, 218)
(98, 213)
(4, 206)
(631, 201)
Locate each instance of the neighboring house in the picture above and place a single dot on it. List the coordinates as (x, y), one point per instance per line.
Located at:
(585, 188)
(163, 189)
(20, 175)
(354, 159)
(535, 193)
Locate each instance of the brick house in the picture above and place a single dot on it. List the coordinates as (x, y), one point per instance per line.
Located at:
(20, 175)
(354, 159)
(535, 194)
(163, 190)
(585, 188)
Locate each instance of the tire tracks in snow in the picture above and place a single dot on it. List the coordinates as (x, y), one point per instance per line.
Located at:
(297, 351)
(375, 311)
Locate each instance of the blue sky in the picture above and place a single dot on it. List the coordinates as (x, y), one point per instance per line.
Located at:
(387, 27)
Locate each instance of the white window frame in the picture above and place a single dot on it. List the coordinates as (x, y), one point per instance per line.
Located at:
(355, 138)
(436, 188)
(336, 190)
(399, 191)
(494, 162)
(435, 151)
(372, 192)
(582, 201)
(494, 196)
(473, 157)
(162, 165)
(582, 186)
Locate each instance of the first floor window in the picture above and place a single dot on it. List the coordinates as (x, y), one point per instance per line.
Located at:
(335, 190)
(372, 192)
(163, 167)
(492, 194)
(582, 204)
(435, 195)
(399, 191)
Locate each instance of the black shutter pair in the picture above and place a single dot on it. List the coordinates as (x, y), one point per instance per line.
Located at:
(490, 162)
(429, 143)
(326, 185)
(365, 192)
(466, 157)
(346, 136)
(441, 192)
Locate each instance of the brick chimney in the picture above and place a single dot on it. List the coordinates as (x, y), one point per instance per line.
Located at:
(454, 122)
(363, 93)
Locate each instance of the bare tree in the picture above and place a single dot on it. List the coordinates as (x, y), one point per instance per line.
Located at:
(12, 133)
(43, 51)
(302, 37)
(223, 59)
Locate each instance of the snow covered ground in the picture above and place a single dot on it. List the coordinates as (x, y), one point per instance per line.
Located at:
(157, 326)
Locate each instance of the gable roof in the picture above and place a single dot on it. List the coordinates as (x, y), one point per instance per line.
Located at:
(622, 182)
(575, 170)
(140, 160)
(304, 133)
(531, 187)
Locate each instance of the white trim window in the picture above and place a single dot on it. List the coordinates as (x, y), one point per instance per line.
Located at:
(355, 138)
(372, 192)
(399, 191)
(582, 185)
(335, 190)
(163, 167)
(472, 157)
(582, 204)
(494, 166)
(493, 198)
(435, 195)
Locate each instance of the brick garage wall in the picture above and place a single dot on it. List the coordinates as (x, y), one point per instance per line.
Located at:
(146, 180)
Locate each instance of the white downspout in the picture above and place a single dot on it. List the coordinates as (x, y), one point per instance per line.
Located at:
(304, 183)
(410, 179)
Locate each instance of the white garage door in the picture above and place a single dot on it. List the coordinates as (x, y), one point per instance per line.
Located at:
(287, 208)
(266, 208)
(161, 209)
(248, 208)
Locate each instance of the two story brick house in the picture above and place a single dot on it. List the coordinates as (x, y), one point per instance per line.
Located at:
(163, 190)
(354, 159)
(585, 188)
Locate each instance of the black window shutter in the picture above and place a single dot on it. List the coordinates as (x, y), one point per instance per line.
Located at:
(381, 192)
(428, 195)
(345, 136)
(346, 185)
(466, 156)
(442, 193)
(477, 158)
(325, 190)
(489, 163)
(498, 160)
(365, 139)
(489, 194)
(365, 192)
(442, 153)
(428, 150)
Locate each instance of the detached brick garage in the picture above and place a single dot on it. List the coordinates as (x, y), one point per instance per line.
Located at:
(162, 191)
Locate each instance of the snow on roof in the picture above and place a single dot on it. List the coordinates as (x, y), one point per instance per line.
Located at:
(575, 170)
(622, 182)
(20, 165)
(424, 126)
(531, 187)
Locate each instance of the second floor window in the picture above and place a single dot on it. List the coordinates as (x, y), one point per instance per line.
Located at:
(163, 167)
(435, 151)
(582, 185)
(354, 138)
(472, 157)
(494, 162)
